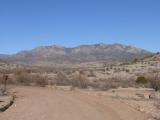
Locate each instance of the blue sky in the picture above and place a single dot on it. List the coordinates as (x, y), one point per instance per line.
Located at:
(25, 24)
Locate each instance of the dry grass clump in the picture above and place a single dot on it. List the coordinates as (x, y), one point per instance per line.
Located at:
(107, 84)
(40, 80)
(154, 80)
(61, 79)
(78, 79)
(155, 84)
(24, 77)
(113, 83)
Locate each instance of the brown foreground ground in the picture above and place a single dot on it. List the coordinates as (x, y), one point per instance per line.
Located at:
(35, 103)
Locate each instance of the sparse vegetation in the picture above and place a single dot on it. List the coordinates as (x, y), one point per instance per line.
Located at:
(101, 77)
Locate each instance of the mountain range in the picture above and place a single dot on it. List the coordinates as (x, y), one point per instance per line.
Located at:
(51, 55)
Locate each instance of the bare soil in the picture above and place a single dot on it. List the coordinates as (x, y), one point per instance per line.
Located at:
(35, 103)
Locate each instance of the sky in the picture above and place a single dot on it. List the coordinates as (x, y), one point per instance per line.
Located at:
(25, 24)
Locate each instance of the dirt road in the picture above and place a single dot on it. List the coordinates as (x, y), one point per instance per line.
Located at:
(35, 103)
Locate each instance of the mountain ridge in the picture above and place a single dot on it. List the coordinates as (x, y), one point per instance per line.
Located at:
(55, 54)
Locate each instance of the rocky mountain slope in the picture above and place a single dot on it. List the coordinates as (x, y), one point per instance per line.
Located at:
(153, 57)
(51, 55)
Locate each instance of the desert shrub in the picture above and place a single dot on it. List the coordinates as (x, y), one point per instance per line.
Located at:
(115, 82)
(107, 69)
(79, 80)
(155, 84)
(141, 80)
(127, 70)
(82, 81)
(154, 80)
(11, 79)
(128, 83)
(23, 77)
(94, 84)
(107, 84)
(135, 60)
(40, 80)
(62, 79)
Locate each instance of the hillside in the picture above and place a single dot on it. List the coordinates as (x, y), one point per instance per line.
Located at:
(154, 57)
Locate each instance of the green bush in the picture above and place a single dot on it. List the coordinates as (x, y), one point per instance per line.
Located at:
(141, 80)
